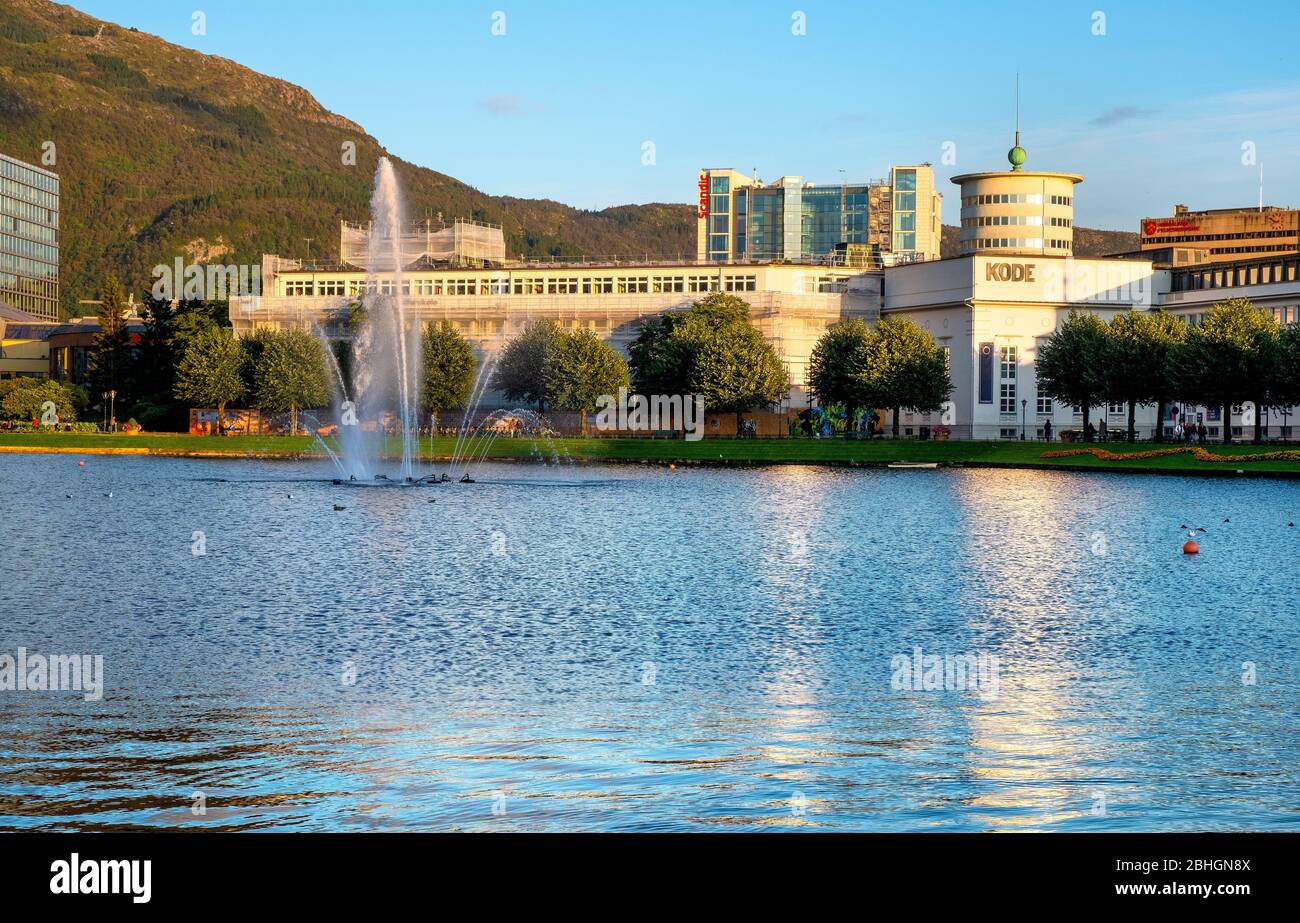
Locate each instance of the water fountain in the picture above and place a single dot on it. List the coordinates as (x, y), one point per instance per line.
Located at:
(386, 366)
(385, 350)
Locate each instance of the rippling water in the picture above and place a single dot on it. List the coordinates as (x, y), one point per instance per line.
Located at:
(633, 648)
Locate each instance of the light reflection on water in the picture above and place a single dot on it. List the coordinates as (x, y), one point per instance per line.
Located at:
(501, 637)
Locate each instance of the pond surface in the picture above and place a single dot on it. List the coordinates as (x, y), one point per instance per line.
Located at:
(637, 648)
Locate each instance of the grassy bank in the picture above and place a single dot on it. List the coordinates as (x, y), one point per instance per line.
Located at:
(707, 451)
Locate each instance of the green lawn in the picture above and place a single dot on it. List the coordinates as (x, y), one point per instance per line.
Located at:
(707, 451)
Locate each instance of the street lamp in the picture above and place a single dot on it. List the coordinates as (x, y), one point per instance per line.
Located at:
(112, 411)
(1024, 406)
(103, 411)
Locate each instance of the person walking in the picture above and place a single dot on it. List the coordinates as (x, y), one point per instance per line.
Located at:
(1047, 430)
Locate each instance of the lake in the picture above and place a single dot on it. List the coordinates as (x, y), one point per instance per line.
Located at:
(633, 648)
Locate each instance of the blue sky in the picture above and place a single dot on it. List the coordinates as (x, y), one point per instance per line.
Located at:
(1155, 111)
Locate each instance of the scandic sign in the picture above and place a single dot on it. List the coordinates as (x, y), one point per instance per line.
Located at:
(704, 195)
(1009, 272)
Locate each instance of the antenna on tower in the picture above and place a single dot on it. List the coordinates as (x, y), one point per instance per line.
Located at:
(1017, 154)
(1017, 108)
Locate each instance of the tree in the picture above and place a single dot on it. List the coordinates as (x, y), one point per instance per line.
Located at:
(110, 351)
(25, 398)
(1136, 362)
(210, 371)
(1230, 358)
(1070, 361)
(905, 369)
(580, 369)
(448, 369)
(1284, 389)
(714, 350)
(290, 374)
(836, 365)
(521, 368)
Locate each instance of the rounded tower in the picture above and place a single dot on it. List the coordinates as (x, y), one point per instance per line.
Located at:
(1017, 211)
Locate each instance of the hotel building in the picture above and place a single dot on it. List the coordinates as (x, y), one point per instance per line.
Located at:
(29, 238)
(1220, 235)
(894, 220)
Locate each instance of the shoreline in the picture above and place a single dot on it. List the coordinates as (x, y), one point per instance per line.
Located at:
(730, 453)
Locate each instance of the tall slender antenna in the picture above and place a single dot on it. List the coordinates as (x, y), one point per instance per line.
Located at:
(1017, 154)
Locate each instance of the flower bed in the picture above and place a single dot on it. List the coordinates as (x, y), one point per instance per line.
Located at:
(1197, 452)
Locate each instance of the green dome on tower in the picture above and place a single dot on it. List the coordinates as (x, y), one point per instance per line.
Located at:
(1017, 157)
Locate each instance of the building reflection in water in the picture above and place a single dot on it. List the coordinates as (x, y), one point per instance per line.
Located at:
(1027, 538)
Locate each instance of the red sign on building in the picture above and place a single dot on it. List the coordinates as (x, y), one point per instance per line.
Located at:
(1151, 228)
(704, 195)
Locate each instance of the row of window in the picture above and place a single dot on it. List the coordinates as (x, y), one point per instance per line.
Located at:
(12, 282)
(29, 230)
(1193, 279)
(32, 269)
(26, 193)
(11, 206)
(987, 221)
(1004, 198)
(1283, 314)
(21, 246)
(1201, 238)
(571, 285)
(11, 169)
(1021, 243)
(34, 304)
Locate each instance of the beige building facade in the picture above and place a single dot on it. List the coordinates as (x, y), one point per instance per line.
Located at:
(792, 304)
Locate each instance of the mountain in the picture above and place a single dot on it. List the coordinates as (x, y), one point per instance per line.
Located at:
(164, 151)
(1088, 242)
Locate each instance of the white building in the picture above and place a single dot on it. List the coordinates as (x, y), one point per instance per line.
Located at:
(990, 312)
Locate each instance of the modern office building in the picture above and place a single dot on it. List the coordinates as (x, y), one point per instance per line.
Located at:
(29, 238)
(1221, 235)
(1017, 211)
(740, 218)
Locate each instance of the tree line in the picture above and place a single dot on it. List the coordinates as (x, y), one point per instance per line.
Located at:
(1237, 354)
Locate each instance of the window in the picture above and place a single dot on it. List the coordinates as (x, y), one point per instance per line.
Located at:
(1044, 407)
(1008, 379)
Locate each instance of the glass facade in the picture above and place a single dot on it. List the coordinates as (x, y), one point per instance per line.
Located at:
(904, 210)
(818, 217)
(29, 238)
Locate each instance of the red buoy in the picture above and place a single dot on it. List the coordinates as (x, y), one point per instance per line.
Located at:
(1190, 547)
